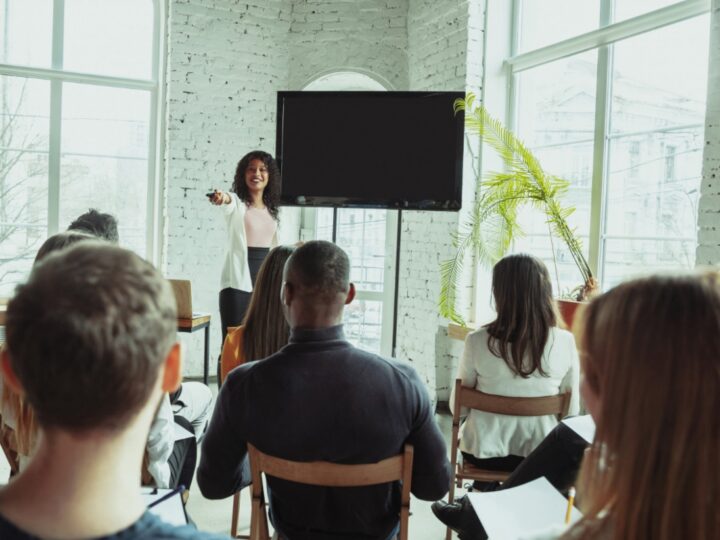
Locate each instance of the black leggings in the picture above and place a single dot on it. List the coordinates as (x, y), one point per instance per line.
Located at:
(557, 458)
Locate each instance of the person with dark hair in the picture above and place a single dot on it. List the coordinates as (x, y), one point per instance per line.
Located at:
(320, 398)
(251, 214)
(264, 330)
(96, 223)
(93, 363)
(522, 353)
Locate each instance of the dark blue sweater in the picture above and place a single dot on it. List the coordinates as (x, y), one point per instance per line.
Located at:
(320, 398)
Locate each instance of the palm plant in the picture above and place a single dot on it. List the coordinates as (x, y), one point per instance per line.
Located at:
(493, 222)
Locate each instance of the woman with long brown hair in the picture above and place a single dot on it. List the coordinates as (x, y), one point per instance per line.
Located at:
(264, 330)
(522, 353)
(651, 380)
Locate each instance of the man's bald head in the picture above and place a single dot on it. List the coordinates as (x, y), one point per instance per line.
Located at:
(317, 283)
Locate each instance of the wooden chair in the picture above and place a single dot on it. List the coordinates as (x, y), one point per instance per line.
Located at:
(323, 473)
(513, 406)
(9, 447)
(235, 517)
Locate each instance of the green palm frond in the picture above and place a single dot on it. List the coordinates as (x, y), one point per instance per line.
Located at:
(493, 221)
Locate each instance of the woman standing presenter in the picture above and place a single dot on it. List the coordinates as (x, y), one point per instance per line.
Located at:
(251, 214)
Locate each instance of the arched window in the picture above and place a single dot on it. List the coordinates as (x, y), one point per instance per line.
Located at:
(79, 85)
(368, 236)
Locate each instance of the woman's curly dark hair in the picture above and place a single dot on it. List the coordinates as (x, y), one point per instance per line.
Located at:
(271, 194)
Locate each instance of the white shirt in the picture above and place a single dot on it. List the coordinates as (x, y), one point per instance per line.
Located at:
(235, 272)
(487, 435)
(161, 440)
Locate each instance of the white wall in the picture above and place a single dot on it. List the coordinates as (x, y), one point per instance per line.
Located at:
(445, 53)
(226, 60)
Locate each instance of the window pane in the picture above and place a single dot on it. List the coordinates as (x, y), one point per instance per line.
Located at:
(655, 153)
(324, 224)
(628, 258)
(548, 21)
(556, 119)
(627, 9)
(556, 101)
(26, 32)
(361, 233)
(363, 324)
(24, 128)
(112, 37)
(105, 140)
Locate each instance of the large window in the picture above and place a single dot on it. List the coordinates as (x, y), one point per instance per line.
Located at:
(368, 236)
(613, 99)
(78, 108)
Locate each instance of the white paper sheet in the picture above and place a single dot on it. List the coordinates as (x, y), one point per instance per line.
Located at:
(583, 426)
(522, 511)
(170, 511)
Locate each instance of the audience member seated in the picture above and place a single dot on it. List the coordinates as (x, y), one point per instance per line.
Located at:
(169, 463)
(522, 353)
(193, 400)
(264, 330)
(557, 458)
(93, 362)
(16, 415)
(97, 224)
(320, 398)
(651, 366)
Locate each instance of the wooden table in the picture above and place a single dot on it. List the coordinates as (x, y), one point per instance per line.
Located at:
(199, 321)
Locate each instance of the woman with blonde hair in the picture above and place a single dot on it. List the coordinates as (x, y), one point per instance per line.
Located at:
(651, 359)
(264, 330)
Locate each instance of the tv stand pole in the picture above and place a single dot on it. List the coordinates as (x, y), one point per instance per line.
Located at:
(397, 283)
(334, 226)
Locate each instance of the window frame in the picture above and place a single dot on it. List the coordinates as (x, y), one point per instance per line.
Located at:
(56, 75)
(602, 40)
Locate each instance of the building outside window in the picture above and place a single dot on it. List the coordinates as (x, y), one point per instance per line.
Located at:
(620, 85)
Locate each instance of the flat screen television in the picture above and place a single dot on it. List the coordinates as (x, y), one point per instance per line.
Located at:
(401, 150)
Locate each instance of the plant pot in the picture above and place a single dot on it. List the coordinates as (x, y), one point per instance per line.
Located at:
(567, 309)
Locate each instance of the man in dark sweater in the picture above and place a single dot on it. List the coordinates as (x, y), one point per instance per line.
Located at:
(320, 398)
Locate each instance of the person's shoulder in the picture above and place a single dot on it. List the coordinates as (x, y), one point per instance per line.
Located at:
(478, 335)
(562, 335)
(402, 369)
(150, 527)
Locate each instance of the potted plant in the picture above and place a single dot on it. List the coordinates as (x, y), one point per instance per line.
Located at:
(493, 222)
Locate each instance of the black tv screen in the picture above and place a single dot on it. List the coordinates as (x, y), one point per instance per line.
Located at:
(399, 150)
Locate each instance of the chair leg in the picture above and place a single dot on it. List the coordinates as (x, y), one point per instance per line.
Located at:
(235, 515)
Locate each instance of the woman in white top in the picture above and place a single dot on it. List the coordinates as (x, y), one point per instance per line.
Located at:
(251, 214)
(522, 353)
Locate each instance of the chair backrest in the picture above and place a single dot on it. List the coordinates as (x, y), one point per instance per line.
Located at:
(470, 398)
(513, 406)
(323, 473)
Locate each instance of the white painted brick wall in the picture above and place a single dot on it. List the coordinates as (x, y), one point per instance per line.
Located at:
(708, 251)
(225, 62)
(442, 36)
(227, 59)
(362, 35)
